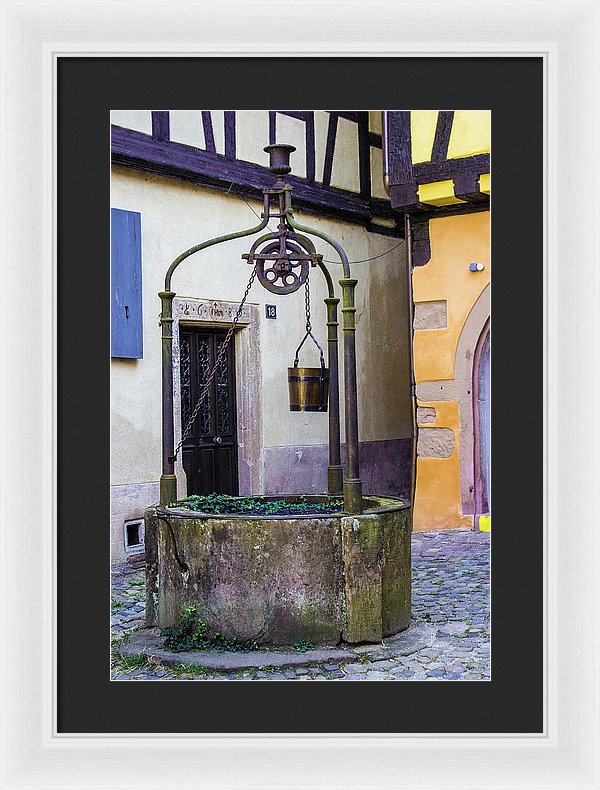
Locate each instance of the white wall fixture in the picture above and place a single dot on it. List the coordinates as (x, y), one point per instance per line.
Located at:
(133, 536)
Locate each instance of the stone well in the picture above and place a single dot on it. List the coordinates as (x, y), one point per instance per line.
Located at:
(280, 579)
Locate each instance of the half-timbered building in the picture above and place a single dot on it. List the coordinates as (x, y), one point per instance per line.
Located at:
(181, 177)
(438, 165)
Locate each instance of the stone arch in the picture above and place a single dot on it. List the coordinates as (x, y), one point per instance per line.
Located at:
(475, 325)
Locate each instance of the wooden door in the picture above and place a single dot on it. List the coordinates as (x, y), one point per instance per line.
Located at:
(481, 394)
(210, 451)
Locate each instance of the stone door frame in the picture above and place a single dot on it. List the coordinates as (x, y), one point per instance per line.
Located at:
(219, 314)
(477, 471)
(476, 323)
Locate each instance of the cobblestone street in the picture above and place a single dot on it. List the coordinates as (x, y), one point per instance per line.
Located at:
(450, 605)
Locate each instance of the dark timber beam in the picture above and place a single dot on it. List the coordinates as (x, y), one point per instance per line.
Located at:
(400, 165)
(142, 152)
(428, 172)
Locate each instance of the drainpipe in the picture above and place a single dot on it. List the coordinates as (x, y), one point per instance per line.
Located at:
(413, 386)
(385, 151)
(411, 307)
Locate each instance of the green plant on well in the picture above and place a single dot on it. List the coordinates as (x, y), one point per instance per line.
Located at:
(192, 634)
(224, 504)
(302, 646)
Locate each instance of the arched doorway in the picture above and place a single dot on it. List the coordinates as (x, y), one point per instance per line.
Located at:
(482, 424)
(466, 378)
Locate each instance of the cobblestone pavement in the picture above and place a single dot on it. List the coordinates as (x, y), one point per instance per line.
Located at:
(451, 588)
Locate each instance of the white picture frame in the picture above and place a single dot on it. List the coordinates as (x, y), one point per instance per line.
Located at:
(566, 754)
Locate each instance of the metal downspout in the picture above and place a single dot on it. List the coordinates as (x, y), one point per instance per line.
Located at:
(411, 306)
(385, 151)
(413, 386)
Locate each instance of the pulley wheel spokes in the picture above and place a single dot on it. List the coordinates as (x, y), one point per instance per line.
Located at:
(282, 265)
(282, 275)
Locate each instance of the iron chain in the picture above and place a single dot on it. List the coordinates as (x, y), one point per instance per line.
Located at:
(307, 303)
(222, 351)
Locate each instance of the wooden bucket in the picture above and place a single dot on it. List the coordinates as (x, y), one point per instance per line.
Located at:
(309, 388)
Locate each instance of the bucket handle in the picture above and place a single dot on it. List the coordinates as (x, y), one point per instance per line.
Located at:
(322, 376)
(314, 339)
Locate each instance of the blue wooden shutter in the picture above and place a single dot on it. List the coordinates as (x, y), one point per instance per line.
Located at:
(126, 284)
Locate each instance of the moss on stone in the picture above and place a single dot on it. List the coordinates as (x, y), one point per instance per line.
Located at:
(288, 579)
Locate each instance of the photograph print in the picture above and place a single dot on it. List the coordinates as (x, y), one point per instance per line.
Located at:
(300, 395)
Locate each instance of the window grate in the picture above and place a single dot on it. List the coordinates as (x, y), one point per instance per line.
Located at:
(134, 535)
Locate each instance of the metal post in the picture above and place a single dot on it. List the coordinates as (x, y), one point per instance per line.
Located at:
(168, 481)
(352, 484)
(334, 470)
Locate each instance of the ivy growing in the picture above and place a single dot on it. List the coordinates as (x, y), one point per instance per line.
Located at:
(225, 504)
(302, 646)
(192, 634)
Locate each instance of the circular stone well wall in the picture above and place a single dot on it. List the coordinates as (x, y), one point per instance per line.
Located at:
(281, 579)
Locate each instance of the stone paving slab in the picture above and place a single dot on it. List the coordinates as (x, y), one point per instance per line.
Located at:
(148, 642)
(448, 639)
(417, 638)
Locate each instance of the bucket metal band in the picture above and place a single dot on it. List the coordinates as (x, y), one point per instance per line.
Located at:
(324, 378)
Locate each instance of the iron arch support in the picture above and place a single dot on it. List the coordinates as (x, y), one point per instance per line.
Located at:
(168, 481)
(211, 242)
(289, 212)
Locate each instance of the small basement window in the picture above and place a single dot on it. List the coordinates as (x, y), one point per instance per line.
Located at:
(134, 535)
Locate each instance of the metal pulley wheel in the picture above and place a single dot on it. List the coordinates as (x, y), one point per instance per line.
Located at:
(283, 263)
(282, 275)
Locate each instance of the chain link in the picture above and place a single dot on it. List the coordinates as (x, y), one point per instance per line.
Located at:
(307, 303)
(222, 351)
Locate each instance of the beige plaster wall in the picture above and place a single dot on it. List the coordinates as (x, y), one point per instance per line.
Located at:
(176, 215)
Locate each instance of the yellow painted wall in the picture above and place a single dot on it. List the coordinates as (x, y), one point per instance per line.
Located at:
(439, 193)
(456, 241)
(470, 135)
(437, 500)
(422, 132)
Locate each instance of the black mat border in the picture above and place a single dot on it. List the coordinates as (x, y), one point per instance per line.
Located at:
(87, 89)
